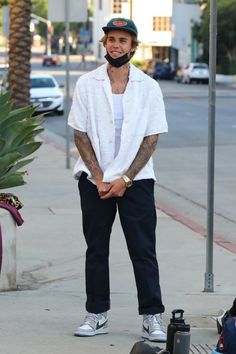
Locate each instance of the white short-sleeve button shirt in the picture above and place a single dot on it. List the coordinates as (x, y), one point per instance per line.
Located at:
(92, 112)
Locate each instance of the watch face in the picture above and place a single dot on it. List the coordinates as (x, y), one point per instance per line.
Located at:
(129, 183)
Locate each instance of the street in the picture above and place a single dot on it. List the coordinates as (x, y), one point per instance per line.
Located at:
(181, 157)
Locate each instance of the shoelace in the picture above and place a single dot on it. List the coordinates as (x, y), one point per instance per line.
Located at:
(156, 322)
(91, 319)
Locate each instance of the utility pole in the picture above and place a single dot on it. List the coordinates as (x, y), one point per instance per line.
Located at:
(67, 52)
(49, 32)
(131, 8)
(209, 276)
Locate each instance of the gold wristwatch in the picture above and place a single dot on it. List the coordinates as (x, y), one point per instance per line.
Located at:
(127, 180)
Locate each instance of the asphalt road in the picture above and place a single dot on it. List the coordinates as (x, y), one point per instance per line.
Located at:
(181, 160)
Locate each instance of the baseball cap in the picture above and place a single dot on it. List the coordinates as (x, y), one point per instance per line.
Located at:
(119, 23)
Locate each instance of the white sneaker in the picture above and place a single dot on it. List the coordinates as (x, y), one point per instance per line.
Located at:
(153, 328)
(94, 323)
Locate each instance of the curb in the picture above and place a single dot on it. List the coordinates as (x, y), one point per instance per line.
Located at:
(199, 229)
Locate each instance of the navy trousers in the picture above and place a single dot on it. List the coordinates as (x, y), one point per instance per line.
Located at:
(138, 220)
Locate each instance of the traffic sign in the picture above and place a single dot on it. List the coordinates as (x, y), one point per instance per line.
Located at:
(84, 36)
(77, 10)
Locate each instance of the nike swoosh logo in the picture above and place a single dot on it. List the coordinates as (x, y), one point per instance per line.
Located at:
(146, 329)
(101, 325)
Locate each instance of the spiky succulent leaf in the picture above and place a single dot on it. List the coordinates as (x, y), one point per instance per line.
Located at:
(7, 161)
(18, 115)
(2, 143)
(4, 113)
(18, 129)
(14, 180)
(5, 98)
(30, 136)
(13, 169)
(27, 149)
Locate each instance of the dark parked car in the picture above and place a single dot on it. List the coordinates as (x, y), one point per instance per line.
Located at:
(163, 70)
(51, 60)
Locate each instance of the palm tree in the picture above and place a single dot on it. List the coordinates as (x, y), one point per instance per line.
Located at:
(20, 40)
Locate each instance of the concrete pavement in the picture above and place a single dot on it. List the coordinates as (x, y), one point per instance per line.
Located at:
(42, 315)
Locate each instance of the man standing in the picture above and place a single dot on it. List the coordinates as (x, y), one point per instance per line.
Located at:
(117, 115)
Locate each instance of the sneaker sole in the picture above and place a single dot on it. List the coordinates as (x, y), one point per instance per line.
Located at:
(91, 334)
(153, 338)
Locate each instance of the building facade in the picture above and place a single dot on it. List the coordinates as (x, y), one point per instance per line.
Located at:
(164, 27)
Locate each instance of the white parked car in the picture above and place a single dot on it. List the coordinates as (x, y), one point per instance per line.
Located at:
(45, 94)
(195, 72)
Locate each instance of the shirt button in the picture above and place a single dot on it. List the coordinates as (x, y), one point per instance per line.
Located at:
(110, 141)
(111, 121)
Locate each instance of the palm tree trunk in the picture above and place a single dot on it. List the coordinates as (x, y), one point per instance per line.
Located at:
(20, 40)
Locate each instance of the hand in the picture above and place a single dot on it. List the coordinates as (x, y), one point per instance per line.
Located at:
(117, 188)
(102, 187)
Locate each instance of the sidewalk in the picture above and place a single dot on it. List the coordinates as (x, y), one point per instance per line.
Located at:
(42, 315)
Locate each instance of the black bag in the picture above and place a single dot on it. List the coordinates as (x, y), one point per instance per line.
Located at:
(227, 329)
(220, 321)
(227, 340)
(144, 348)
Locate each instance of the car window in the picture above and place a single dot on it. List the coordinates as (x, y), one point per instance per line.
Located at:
(161, 65)
(202, 66)
(42, 82)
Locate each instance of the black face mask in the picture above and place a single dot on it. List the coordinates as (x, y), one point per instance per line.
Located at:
(118, 61)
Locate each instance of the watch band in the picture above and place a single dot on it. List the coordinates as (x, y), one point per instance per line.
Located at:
(127, 180)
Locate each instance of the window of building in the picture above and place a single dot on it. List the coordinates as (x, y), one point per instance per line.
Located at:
(162, 23)
(100, 4)
(117, 6)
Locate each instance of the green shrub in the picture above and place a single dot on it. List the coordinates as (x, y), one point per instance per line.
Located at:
(18, 129)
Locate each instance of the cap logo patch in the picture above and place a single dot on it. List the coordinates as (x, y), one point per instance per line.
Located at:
(119, 23)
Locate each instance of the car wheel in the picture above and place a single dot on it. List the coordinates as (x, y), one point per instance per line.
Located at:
(60, 113)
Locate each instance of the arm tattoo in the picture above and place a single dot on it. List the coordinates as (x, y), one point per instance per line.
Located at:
(87, 154)
(144, 153)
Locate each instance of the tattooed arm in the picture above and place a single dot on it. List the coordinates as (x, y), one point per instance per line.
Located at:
(144, 153)
(87, 154)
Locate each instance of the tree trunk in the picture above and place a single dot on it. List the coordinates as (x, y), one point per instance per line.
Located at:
(20, 40)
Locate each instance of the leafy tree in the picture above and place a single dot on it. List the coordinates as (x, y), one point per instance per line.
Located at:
(226, 34)
(40, 8)
(3, 2)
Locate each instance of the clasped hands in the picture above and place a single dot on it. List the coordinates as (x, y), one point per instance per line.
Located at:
(112, 189)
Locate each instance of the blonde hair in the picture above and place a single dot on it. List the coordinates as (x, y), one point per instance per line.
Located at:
(134, 43)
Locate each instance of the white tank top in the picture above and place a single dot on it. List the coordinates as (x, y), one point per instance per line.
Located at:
(119, 116)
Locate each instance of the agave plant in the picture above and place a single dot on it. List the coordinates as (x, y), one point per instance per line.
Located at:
(17, 131)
